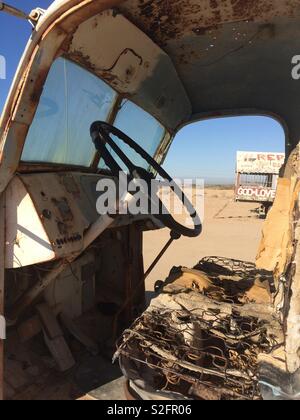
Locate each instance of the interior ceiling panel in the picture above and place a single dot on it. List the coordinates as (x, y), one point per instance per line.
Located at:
(230, 54)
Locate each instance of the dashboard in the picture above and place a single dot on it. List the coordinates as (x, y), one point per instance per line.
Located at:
(47, 215)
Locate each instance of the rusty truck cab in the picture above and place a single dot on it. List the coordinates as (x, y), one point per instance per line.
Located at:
(145, 68)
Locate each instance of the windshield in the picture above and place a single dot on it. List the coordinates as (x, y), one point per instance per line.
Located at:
(142, 128)
(71, 101)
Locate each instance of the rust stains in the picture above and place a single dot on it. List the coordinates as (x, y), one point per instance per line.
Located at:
(82, 59)
(167, 20)
(162, 16)
(251, 8)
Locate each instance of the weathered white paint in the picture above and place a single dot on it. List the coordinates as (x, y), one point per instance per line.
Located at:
(26, 239)
(118, 52)
(260, 194)
(259, 163)
(128, 61)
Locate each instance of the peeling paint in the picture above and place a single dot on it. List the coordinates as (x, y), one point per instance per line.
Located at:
(166, 20)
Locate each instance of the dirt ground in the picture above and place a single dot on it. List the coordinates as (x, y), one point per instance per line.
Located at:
(230, 229)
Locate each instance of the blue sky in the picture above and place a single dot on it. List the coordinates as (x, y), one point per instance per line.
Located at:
(14, 34)
(206, 149)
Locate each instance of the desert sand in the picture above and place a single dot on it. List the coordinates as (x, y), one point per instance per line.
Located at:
(230, 229)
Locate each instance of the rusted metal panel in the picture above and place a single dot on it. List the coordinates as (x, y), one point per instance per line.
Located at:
(11, 149)
(61, 208)
(132, 64)
(43, 47)
(191, 32)
(232, 56)
(155, 86)
(65, 14)
(166, 21)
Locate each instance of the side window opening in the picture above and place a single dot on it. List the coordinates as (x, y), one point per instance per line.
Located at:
(207, 150)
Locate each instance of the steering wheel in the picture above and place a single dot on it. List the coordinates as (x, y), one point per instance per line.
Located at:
(101, 135)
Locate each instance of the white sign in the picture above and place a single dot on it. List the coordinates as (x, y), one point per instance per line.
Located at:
(259, 194)
(259, 163)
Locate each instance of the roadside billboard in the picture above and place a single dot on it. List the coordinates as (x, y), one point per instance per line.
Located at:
(256, 176)
(256, 194)
(259, 163)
